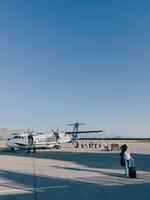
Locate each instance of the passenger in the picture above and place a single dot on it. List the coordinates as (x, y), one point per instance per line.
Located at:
(127, 157)
(95, 145)
(89, 145)
(83, 145)
(34, 147)
(100, 145)
(106, 146)
(30, 142)
(77, 144)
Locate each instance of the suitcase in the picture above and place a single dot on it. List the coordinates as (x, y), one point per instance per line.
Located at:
(132, 170)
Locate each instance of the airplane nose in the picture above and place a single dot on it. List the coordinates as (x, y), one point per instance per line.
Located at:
(8, 143)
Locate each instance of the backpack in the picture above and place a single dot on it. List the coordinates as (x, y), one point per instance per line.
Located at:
(122, 161)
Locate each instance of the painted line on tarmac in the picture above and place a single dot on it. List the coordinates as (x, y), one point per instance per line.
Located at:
(52, 187)
(33, 189)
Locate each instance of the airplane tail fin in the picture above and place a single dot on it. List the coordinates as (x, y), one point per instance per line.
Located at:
(75, 131)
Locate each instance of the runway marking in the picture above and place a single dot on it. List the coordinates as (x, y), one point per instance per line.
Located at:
(33, 189)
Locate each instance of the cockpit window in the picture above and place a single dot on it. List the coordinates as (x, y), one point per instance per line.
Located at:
(17, 137)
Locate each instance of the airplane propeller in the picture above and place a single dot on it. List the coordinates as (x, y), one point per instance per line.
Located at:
(56, 133)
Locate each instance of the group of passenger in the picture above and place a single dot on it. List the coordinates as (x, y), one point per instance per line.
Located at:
(94, 145)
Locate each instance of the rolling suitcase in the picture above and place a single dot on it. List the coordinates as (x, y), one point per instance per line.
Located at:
(132, 170)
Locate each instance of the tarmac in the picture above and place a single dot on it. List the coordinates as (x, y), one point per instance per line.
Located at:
(76, 174)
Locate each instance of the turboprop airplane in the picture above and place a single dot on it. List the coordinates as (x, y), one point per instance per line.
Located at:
(42, 140)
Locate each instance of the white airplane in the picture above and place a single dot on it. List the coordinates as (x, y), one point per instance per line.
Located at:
(41, 140)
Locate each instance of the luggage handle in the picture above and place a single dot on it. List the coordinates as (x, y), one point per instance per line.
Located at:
(131, 163)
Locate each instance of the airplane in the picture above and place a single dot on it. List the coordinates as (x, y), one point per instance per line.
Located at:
(42, 140)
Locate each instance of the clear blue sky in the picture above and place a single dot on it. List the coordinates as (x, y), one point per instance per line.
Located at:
(63, 61)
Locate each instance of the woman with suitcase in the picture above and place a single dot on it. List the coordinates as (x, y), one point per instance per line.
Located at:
(125, 154)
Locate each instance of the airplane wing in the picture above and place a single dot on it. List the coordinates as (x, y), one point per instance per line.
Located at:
(85, 132)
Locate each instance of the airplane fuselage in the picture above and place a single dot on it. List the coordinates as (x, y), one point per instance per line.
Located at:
(40, 141)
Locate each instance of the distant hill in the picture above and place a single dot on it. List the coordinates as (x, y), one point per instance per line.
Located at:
(110, 136)
(99, 135)
(6, 133)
